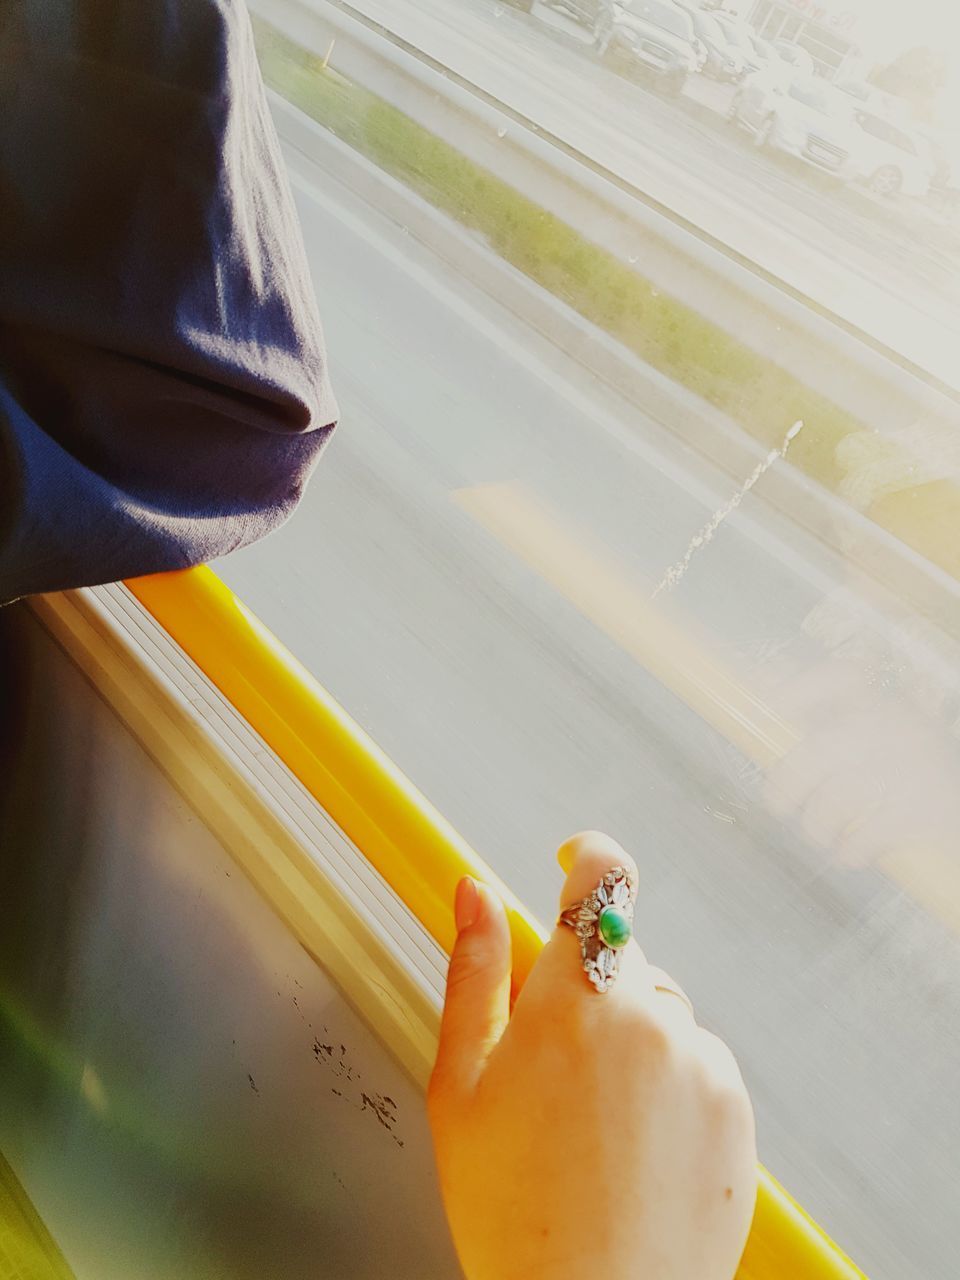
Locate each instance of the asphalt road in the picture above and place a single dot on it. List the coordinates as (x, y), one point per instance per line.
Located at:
(471, 576)
(851, 254)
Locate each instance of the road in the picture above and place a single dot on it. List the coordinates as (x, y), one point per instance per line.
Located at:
(851, 255)
(471, 575)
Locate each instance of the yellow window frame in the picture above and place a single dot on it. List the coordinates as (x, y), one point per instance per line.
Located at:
(405, 839)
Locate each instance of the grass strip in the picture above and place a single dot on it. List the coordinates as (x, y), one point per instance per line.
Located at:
(666, 333)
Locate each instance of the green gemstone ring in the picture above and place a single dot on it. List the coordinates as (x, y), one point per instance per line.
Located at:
(603, 921)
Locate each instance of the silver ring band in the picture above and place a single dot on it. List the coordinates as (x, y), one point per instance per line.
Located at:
(603, 921)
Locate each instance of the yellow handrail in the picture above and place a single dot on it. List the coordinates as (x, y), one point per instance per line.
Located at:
(416, 851)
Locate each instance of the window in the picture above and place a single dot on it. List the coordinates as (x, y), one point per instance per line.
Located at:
(736, 35)
(708, 28)
(664, 15)
(571, 561)
(877, 127)
(824, 50)
(819, 97)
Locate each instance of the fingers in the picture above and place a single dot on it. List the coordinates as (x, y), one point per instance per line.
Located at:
(477, 1007)
(586, 858)
(667, 988)
(477, 1003)
(558, 976)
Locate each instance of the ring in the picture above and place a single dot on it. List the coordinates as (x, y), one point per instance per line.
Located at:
(603, 921)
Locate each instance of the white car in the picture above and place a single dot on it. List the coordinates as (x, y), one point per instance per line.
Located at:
(740, 37)
(890, 159)
(804, 118)
(794, 56)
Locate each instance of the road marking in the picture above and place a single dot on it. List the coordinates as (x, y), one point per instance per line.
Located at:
(610, 598)
(706, 533)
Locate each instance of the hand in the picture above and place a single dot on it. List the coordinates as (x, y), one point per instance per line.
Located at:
(587, 1133)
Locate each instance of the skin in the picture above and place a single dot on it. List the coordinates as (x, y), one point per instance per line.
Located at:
(585, 1133)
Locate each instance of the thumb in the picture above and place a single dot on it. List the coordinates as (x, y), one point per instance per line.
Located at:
(477, 1005)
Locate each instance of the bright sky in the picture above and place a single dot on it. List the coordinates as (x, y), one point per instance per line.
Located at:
(894, 25)
(933, 22)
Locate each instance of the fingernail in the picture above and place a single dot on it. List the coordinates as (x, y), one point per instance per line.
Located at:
(466, 905)
(565, 857)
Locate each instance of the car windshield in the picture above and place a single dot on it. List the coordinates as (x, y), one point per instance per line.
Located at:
(708, 28)
(877, 127)
(664, 15)
(790, 53)
(855, 89)
(818, 97)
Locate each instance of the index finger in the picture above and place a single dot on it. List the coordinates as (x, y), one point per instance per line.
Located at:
(559, 973)
(586, 858)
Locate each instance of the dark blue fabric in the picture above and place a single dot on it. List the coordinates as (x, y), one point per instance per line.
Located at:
(163, 382)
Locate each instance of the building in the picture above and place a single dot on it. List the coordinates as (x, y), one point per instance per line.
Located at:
(827, 32)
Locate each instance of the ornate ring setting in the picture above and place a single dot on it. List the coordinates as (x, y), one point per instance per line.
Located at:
(603, 921)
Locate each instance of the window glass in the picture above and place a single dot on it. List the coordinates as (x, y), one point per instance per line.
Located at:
(644, 513)
(708, 28)
(819, 97)
(877, 127)
(736, 34)
(663, 15)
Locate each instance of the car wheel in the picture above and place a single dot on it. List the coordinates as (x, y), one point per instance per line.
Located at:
(887, 181)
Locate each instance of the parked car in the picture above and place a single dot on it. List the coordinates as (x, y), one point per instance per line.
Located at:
(723, 60)
(858, 89)
(806, 118)
(944, 147)
(739, 36)
(892, 160)
(945, 190)
(652, 37)
(582, 11)
(795, 57)
(765, 55)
